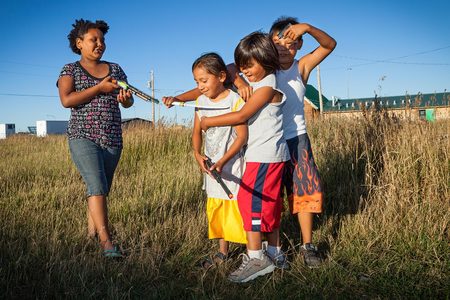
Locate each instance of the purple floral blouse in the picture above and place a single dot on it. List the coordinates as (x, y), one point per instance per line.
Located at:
(99, 120)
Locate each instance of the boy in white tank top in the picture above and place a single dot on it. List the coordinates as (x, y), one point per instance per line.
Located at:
(301, 178)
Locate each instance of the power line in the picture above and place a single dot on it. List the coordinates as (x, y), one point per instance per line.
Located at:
(392, 60)
(28, 64)
(29, 95)
(26, 74)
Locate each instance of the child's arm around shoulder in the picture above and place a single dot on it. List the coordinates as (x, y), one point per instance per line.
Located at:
(309, 61)
(256, 102)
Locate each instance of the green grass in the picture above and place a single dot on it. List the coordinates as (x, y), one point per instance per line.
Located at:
(385, 228)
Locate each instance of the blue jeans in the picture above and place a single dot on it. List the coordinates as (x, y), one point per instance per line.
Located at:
(95, 164)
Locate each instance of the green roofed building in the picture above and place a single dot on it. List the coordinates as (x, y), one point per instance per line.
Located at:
(312, 102)
(391, 102)
(423, 106)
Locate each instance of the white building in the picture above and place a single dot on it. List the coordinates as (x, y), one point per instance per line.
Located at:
(7, 130)
(43, 128)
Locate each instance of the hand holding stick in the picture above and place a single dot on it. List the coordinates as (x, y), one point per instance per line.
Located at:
(218, 178)
(136, 91)
(148, 98)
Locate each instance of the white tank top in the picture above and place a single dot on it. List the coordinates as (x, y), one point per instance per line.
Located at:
(290, 82)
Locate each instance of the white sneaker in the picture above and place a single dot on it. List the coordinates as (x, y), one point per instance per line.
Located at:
(280, 261)
(251, 268)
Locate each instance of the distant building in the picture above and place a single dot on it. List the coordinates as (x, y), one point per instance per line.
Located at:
(32, 130)
(421, 106)
(135, 122)
(312, 102)
(7, 130)
(46, 127)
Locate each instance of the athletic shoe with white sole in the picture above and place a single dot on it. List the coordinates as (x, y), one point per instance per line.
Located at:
(251, 268)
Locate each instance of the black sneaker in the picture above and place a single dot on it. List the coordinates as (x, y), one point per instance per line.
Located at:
(310, 255)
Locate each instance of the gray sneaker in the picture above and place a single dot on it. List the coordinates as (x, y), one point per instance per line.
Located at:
(280, 261)
(251, 268)
(311, 255)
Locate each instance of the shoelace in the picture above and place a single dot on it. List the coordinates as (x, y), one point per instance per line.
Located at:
(309, 247)
(245, 260)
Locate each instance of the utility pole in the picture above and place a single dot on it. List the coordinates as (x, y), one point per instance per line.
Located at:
(151, 85)
(320, 89)
(348, 82)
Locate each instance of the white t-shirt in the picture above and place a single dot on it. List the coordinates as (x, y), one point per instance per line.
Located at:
(217, 141)
(290, 82)
(266, 143)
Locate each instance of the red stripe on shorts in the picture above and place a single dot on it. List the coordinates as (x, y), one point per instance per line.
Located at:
(259, 197)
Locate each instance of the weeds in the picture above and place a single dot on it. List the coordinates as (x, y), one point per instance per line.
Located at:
(385, 228)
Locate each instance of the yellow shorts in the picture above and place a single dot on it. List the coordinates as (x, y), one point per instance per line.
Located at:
(225, 221)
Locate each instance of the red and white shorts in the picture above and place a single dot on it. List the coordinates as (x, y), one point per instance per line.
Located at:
(259, 196)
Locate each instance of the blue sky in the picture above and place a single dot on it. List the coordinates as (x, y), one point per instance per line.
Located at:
(405, 42)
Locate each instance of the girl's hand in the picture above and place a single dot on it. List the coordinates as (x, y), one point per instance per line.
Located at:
(107, 85)
(201, 162)
(168, 100)
(203, 124)
(244, 89)
(125, 98)
(218, 166)
(293, 32)
(245, 92)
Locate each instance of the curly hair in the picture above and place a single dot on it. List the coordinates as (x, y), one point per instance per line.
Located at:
(80, 27)
(260, 47)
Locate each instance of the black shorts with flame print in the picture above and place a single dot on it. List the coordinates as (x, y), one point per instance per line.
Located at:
(301, 177)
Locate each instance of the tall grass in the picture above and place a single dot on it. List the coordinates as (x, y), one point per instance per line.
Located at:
(385, 228)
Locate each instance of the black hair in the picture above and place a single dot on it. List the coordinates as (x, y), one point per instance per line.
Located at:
(281, 23)
(260, 47)
(80, 27)
(213, 64)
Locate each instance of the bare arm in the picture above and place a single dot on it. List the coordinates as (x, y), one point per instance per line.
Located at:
(70, 98)
(239, 142)
(197, 144)
(326, 45)
(261, 97)
(190, 95)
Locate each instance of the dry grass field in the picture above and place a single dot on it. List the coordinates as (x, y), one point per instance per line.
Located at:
(385, 230)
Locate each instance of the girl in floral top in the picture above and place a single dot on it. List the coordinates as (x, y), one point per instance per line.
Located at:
(88, 88)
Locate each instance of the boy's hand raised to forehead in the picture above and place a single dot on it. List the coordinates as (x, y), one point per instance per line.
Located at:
(295, 31)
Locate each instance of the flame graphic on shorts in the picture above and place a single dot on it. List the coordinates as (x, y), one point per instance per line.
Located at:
(308, 176)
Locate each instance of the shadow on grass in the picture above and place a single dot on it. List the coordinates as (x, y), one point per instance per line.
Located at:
(350, 169)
